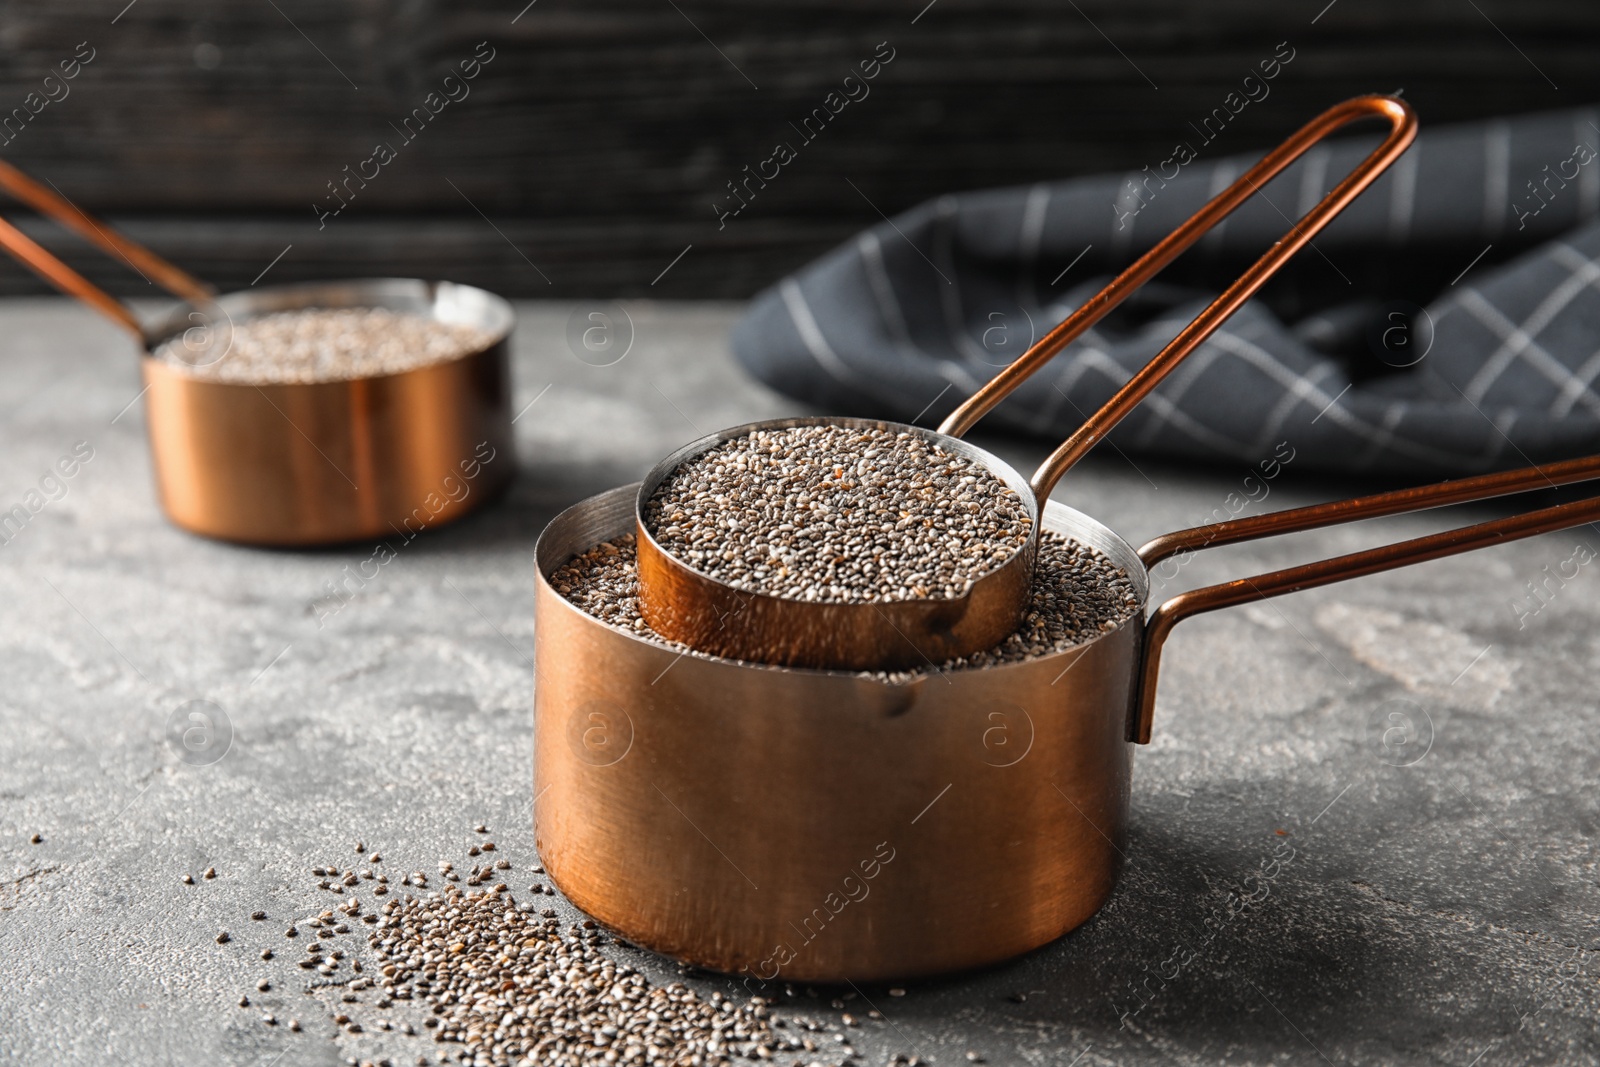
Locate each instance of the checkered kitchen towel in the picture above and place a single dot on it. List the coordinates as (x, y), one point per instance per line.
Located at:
(1447, 322)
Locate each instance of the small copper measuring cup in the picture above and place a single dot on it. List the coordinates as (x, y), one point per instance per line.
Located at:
(685, 604)
(787, 824)
(301, 464)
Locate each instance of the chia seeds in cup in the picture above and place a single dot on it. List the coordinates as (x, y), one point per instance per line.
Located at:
(838, 514)
(320, 345)
(1077, 594)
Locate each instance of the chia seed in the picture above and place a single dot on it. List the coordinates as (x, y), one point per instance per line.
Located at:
(838, 514)
(1077, 594)
(321, 345)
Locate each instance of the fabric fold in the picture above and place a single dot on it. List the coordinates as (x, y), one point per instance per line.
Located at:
(1447, 323)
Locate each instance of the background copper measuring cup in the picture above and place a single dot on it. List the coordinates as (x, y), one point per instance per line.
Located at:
(685, 604)
(791, 824)
(302, 463)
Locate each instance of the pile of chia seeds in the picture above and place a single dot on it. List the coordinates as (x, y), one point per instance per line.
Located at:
(514, 990)
(319, 345)
(1077, 594)
(838, 514)
(488, 982)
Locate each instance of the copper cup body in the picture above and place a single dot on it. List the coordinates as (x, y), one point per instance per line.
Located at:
(335, 461)
(684, 604)
(780, 823)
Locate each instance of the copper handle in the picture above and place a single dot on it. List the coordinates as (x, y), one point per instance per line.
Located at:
(1422, 498)
(1402, 130)
(37, 259)
(33, 256)
(49, 202)
(1355, 564)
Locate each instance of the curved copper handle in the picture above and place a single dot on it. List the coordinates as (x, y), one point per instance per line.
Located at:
(1355, 564)
(1402, 130)
(1420, 498)
(43, 263)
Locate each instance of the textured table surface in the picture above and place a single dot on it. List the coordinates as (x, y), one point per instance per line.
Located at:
(1431, 903)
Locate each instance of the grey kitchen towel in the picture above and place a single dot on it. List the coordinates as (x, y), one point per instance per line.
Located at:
(1448, 322)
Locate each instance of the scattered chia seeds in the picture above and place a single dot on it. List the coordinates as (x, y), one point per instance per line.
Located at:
(1077, 594)
(324, 345)
(838, 514)
(513, 986)
(496, 983)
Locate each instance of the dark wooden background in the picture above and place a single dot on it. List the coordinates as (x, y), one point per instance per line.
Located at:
(591, 149)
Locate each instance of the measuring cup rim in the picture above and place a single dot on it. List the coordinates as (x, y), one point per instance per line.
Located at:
(497, 317)
(1013, 479)
(1082, 528)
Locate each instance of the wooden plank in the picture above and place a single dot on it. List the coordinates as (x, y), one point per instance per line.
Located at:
(580, 257)
(607, 130)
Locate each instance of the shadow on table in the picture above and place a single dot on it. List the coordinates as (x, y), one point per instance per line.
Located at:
(1179, 963)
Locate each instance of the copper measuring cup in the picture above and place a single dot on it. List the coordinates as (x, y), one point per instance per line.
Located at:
(302, 463)
(687, 605)
(791, 824)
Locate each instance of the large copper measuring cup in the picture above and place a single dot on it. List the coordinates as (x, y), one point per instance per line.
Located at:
(302, 463)
(792, 824)
(685, 604)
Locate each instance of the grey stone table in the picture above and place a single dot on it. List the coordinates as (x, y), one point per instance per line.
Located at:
(1433, 901)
